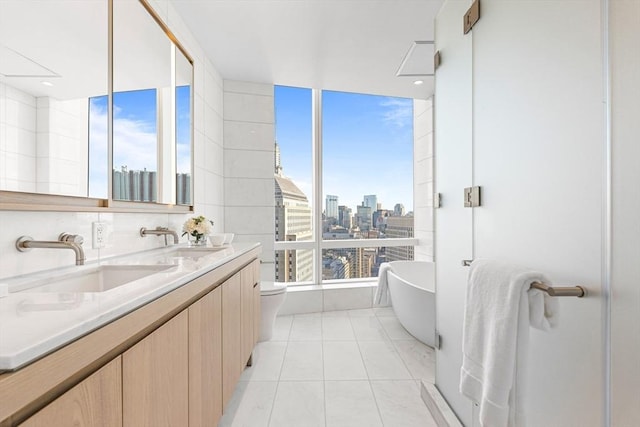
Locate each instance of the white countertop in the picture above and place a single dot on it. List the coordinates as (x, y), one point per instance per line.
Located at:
(33, 324)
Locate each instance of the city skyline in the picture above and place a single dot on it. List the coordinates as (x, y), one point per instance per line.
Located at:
(359, 134)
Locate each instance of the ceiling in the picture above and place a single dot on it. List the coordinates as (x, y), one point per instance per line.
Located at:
(344, 45)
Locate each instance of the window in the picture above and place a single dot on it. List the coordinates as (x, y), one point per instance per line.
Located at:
(343, 175)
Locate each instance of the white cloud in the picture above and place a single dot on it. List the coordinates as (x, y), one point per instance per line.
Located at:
(398, 112)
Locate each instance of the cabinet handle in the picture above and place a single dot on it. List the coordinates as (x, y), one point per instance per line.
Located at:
(256, 284)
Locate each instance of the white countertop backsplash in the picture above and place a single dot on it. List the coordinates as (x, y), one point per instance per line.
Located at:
(33, 324)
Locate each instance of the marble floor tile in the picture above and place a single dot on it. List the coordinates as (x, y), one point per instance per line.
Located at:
(400, 404)
(384, 311)
(420, 359)
(394, 328)
(351, 404)
(337, 329)
(359, 312)
(382, 361)
(266, 362)
(303, 361)
(306, 328)
(336, 313)
(368, 328)
(298, 404)
(282, 328)
(250, 405)
(342, 361)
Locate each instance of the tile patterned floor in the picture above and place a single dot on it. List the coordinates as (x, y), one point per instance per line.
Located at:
(353, 368)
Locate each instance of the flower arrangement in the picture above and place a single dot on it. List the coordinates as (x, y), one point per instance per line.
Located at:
(198, 227)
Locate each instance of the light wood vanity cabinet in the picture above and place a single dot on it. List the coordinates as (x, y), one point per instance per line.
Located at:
(205, 359)
(232, 363)
(161, 370)
(155, 377)
(96, 401)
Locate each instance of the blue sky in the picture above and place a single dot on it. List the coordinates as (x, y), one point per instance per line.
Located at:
(367, 145)
(134, 134)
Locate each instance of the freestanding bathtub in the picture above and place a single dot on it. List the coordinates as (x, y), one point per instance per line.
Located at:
(412, 289)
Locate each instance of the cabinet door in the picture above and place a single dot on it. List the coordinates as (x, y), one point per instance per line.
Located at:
(232, 364)
(155, 377)
(96, 401)
(246, 307)
(205, 360)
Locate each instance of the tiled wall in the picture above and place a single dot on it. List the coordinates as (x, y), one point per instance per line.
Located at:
(124, 228)
(249, 138)
(62, 136)
(17, 140)
(423, 178)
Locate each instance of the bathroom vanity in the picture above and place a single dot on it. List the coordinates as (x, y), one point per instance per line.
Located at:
(163, 354)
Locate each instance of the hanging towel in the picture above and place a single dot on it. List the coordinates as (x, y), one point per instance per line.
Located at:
(499, 309)
(382, 292)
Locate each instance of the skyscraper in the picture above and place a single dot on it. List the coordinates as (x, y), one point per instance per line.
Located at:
(331, 207)
(399, 226)
(345, 217)
(293, 223)
(363, 217)
(398, 209)
(371, 201)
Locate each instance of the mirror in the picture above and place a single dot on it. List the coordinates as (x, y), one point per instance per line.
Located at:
(53, 60)
(54, 104)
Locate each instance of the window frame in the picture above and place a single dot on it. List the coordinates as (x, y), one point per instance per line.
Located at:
(317, 244)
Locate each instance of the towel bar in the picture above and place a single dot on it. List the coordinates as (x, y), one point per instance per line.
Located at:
(561, 291)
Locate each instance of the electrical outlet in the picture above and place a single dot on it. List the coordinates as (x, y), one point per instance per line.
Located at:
(99, 235)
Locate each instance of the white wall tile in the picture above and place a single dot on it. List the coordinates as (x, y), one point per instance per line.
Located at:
(248, 164)
(345, 299)
(249, 191)
(249, 135)
(248, 108)
(302, 302)
(242, 220)
(248, 87)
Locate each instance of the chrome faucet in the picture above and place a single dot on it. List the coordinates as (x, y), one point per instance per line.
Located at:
(65, 241)
(160, 231)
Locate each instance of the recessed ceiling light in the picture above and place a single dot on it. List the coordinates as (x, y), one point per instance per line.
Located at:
(46, 83)
(418, 82)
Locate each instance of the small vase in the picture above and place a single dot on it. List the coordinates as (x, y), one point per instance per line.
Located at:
(198, 240)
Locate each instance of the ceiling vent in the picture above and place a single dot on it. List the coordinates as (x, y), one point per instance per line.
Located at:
(418, 61)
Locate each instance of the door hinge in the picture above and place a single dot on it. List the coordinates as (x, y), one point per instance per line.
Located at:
(437, 200)
(472, 197)
(471, 17)
(436, 60)
(438, 341)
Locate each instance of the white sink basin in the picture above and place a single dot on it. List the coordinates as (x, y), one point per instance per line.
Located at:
(98, 279)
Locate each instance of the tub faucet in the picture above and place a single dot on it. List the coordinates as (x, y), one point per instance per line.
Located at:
(65, 241)
(160, 231)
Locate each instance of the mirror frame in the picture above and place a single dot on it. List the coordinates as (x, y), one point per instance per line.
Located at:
(21, 201)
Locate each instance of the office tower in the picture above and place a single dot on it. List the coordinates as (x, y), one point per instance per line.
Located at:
(398, 209)
(331, 207)
(345, 218)
(363, 217)
(399, 226)
(293, 223)
(371, 201)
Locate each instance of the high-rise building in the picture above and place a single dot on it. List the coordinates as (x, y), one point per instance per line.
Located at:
(293, 223)
(345, 217)
(363, 217)
(398, 209)
(397, 227)
(331, 207)
(371, 201)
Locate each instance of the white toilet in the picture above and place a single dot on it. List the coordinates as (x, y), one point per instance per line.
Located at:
(272, 295)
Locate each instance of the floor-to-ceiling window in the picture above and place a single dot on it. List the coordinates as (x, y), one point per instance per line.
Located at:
(343, 184)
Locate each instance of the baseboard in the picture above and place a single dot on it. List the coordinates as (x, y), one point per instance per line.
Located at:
(439, 408)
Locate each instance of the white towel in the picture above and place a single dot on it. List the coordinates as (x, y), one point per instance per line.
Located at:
(382, 292)
(499, 309)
